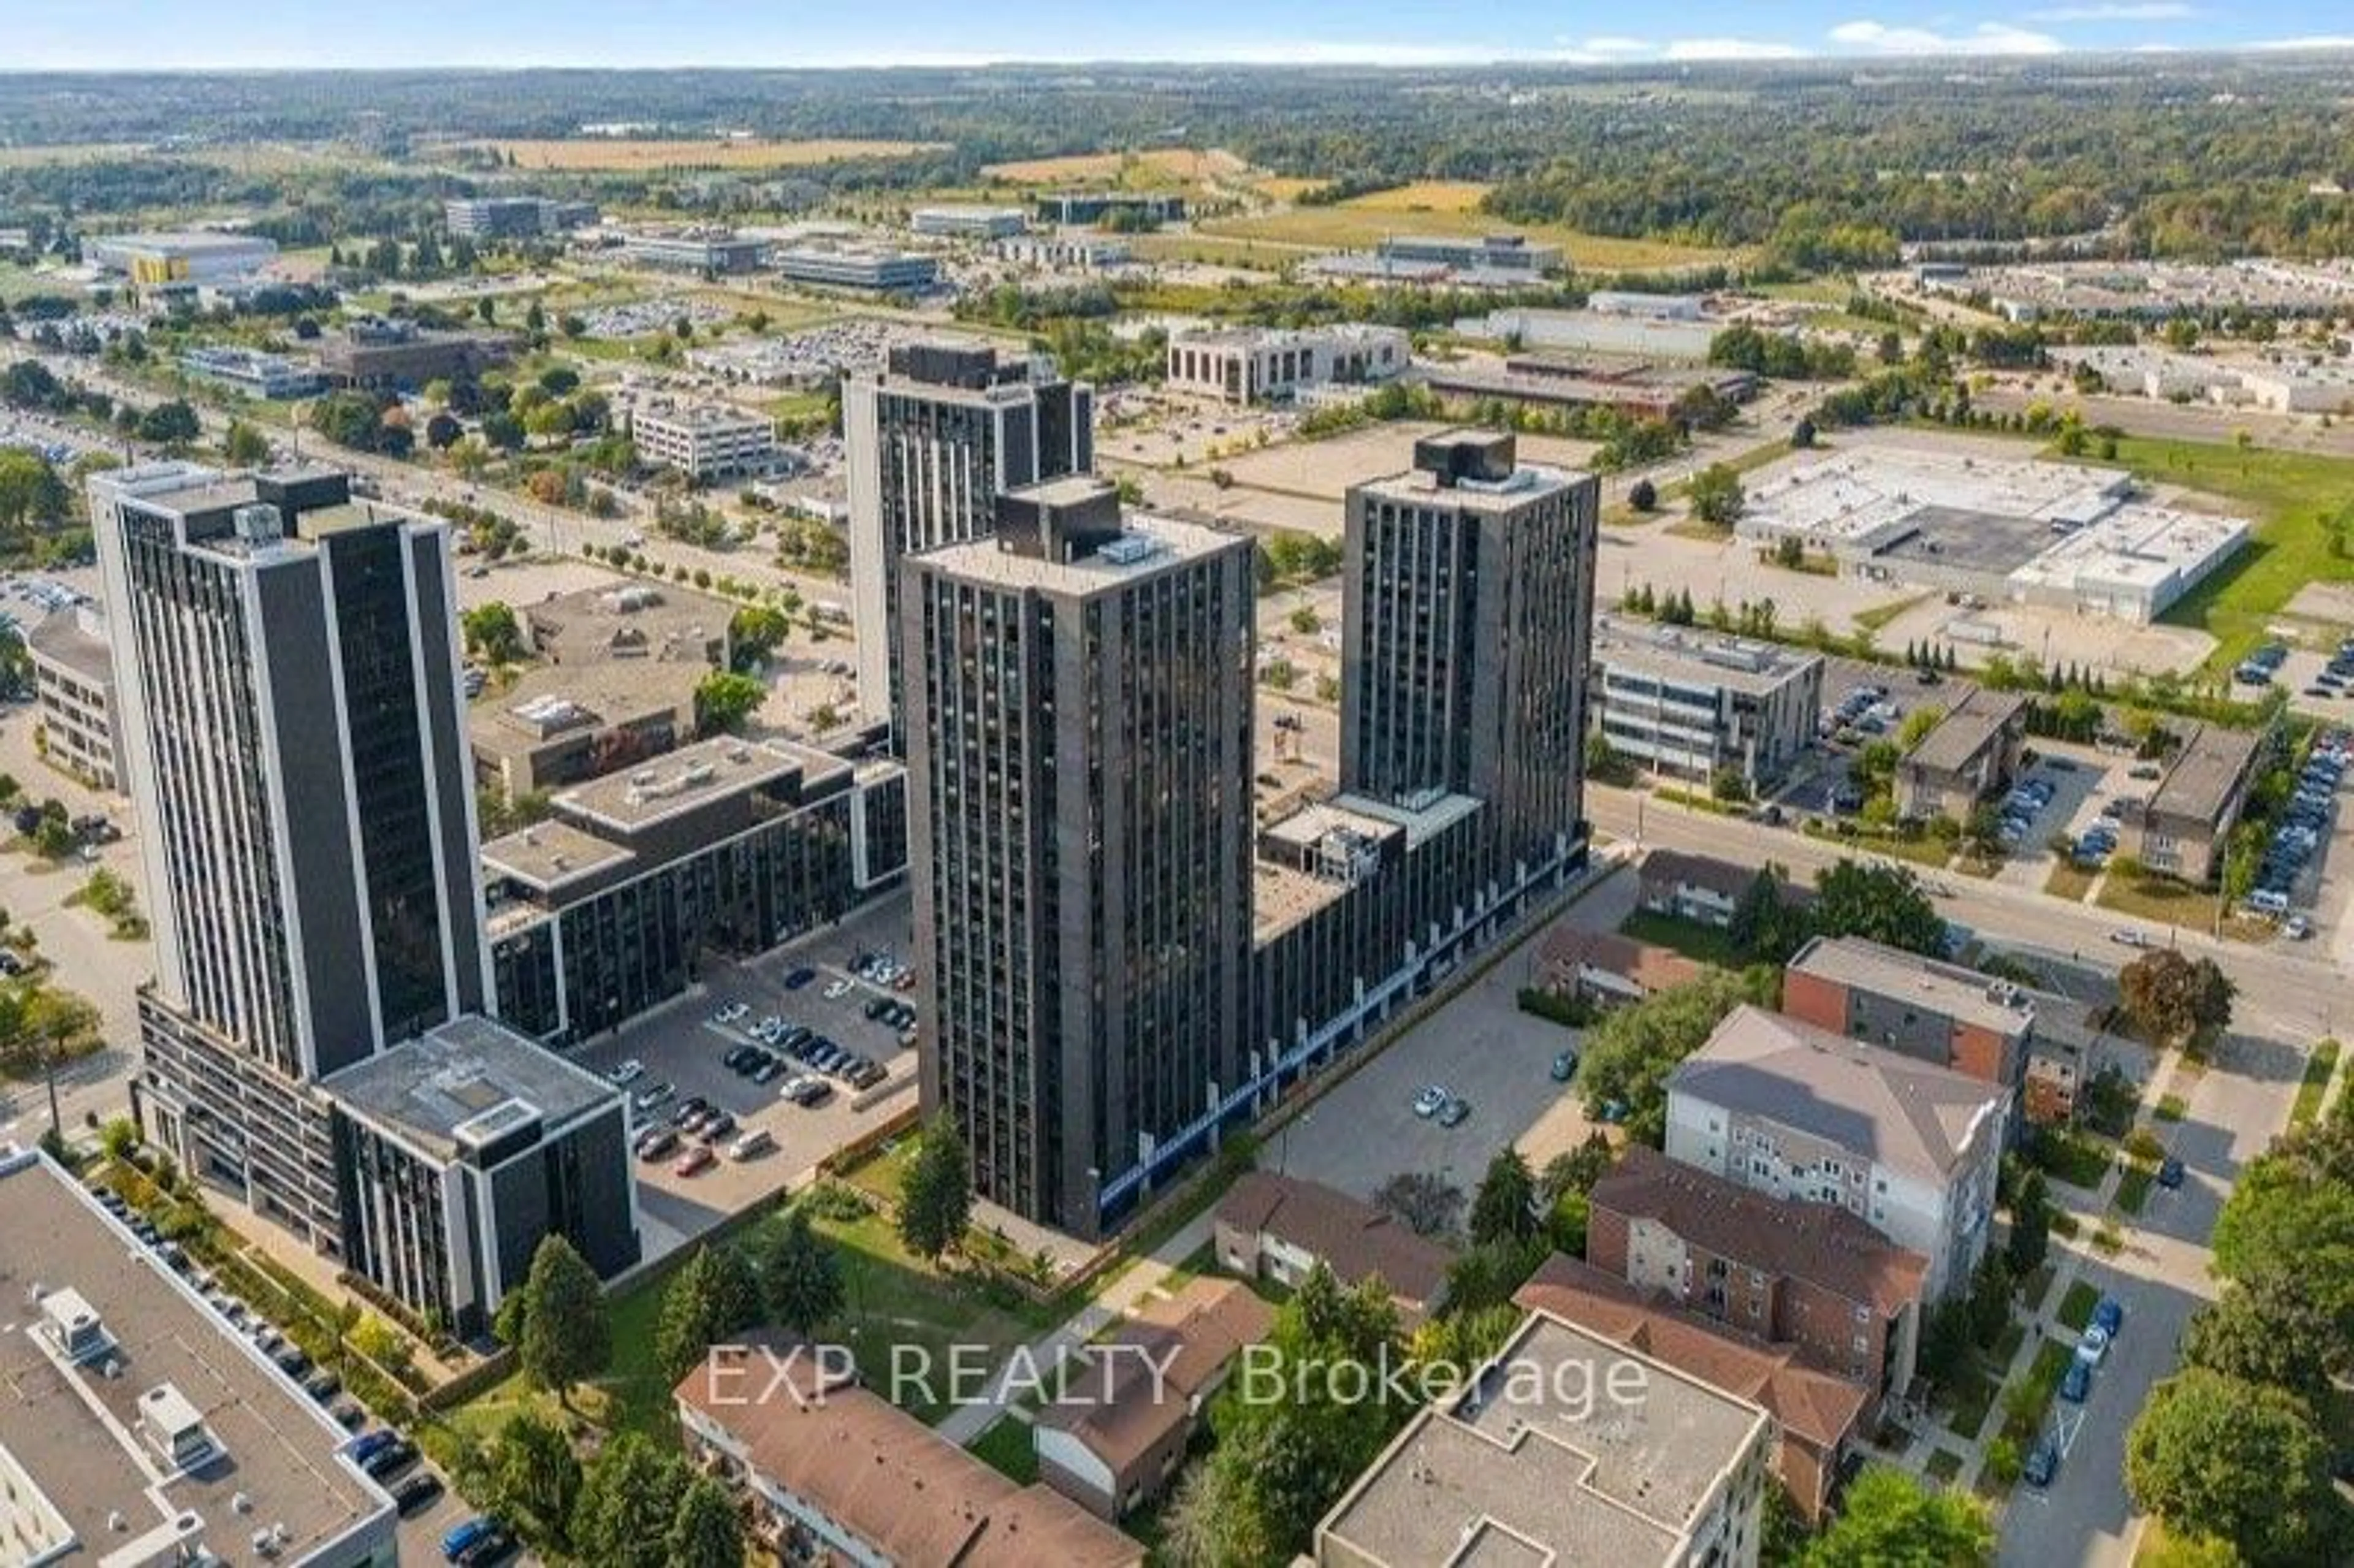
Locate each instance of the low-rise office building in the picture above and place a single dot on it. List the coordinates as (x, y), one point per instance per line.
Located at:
(969, 222)
(137, 1428)
(1281, 1227)
(639, 880)
(460, 1149)
(73, 684)
(2186, 825)
(1148, 209)
(567, 724)
(1810, 1274)
(1239, 365)
(1690, 705)
(252, 372)
(720, 252)
(1567, 1447)
(376, 353)
(705, 441)
(834, 1473)
(1115, 1436)
(869, 266)
(1972, 755)
(514, 217)
(1819, 1418)
(1513, 253)
(1075, 252)
(637, 620)
(1801, 1113)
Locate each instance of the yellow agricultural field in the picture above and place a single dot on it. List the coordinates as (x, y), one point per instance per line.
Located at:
(597, 154)
(1158, 166)
(1421, 195)
(1352, 225)
(41, 154)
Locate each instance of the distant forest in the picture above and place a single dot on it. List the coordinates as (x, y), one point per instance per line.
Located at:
(1828, 161)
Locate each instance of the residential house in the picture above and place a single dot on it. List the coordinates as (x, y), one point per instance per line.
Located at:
(1280, 1227)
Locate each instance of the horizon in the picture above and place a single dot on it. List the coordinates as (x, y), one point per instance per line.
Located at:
(123, 38)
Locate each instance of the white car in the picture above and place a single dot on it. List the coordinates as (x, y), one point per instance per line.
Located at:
(2129, 938)
(1430, 1102)
(836, 990)
(2091, 1345)
(628, 1072)
(730, 1013)
(2297, 929)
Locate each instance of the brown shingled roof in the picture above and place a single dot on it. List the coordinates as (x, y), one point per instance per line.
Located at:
(1118, 1406)
(919, 1498)
(1355, 1239)
(1814, 1403)
(1567, 947)
(1819, 1242)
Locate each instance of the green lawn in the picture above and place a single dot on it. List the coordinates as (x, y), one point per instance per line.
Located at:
(2025, 1416)
(1701, 943)
(2289, 497)
(2161, 900)
(2314, 1084)
(1878, 618)
(1971, 1402)
(2133, 1189)
(2069, 881)
(1007, 1447)
(2074, 1156)
(2076, 1307)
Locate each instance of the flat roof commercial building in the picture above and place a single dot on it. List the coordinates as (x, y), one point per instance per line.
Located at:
(185, 256)
(1239, 365)
(465, 1146)
(1567, 1447)
(375, 354)
(720, 252)
(514, 217)
(704, 441)
(1558, 381)
(1691, 705)
(1972, 755)
(1150, 208)
(2186, 825)
(1801, 1113)
(73, 684)
(1079, 713)
(836, 1473)
(555, 727)
(969, 222)
(872, 268)
(2066, 537)
(1598, 330)
(1076, 252)
(636, 621)
(253, 373)
(136, 1426)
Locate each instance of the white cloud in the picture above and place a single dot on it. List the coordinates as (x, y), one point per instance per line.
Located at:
(1986, 39)
(2119, 11)
(2318, 41)
(1609, 45)
(1730, 49)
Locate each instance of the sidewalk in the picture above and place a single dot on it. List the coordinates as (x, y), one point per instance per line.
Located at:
(1138, 1280)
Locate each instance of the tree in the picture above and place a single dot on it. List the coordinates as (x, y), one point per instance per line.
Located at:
(2290, 1213)
(492, 633)
(2030, 1224)
(1427, 1204)
(1717, 497)
(1802, 434)
(567, 1336)
(1212, 1520)
(713, 1295)
(535, 1477)
(800, 1277)
(1577, 1169)
(1631, 1052)
(442, 432)
(707, 1531)
(2212, 1455)
(172, 424)
(2271, 1330)
(1764, 927)
(1884, 903)
(1505, 1207)
(1891, 1521)
(30, 490)
(724, 700)
(2161, 991)
(937, 1203)
(245, 447)
(628, 1502)
(753, 632)
(1643, 495)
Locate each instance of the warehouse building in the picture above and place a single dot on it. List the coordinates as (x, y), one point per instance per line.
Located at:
(182, 257)
(1691, 705)
(252, 372)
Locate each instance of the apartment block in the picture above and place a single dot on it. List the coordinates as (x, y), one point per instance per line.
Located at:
(1702, 888)
(1688, 705)
(930, 444)
(1971, 755)
(1800, 1113)
(1079, 707)
(73, 684)
(704, 441)
(1241, 366)
(1468, 612)
(1810, 1274)
(2186, 825)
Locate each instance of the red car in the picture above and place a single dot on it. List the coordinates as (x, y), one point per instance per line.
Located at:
(693, 1160)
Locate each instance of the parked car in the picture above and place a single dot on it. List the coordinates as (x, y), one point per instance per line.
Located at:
(627, 1072)
(1564, 1066)
(752, 1145)
(463, 1534)
(2091, 1345)
(2041, 1465)
(1457, 1112)
(2077, 1382)
(697, 1159)
(799, 977)
(657, 1142)
(719, 1125)
(418, 1493)
(396, 1455)
(655, 1094)
(2170, 1173)
(2109, 1316)
(1430, 1101)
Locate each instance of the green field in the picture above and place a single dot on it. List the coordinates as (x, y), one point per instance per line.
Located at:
(1370, 219)
(1006, 1447)
(2290, 497)
(1701, 943)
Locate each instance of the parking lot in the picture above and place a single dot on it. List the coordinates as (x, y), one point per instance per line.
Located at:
(681, 1046)
(1478, 1046)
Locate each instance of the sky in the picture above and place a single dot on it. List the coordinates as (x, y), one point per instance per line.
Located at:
(168, 34)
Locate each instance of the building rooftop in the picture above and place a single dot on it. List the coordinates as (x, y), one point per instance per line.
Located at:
(886, 1476)
(465, 1082)
(1423, 817)
(689, 779)
(75, 1436)
(629, 620)
(1706, 658)
(550, 701)
(1875, 1103)
(1538, 1463)
(1120, 1406)
(2207, 774)
(701, 418)
(1356, 1240)
(1822, 1243)
(76, 640)
(1149, 544)
(1806, 1398)
(1567, 948)
(1959, 993)
(1966, 732)
(187, 242)
(1424, 489)
(1723, 877)
(553, 854)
